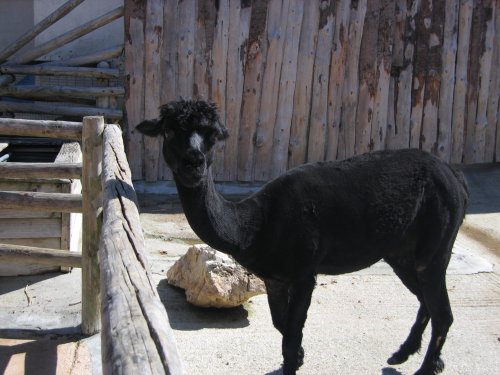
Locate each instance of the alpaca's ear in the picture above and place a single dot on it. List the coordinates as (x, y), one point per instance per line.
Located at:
(222, 132)
(151, 128)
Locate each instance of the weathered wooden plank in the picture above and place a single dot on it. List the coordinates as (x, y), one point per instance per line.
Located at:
(30, 228)
(69, 36)
(63, 71)
(350, 89)
(485, 70)
(134, 84)
(368, 80)
(93, 127)
(62, 109)
(252, 89)
(186, 31)
(433, 75)
(40, 170)
(384, 57)
(47, 92)
(318, 121)
(136, 335)
(53, 17)
(168, 68)
(423, 20)
(51, 202)
(152, 81)
(493, 113)
(303, 86)
(476, 49)
(41, 128)
(37, 255)
(239, 27)
(449, 56)
(337, 75)
(461, 81)
(276, 29)
(91, 58)
(219, 76)
(204, 28)
(288, 76)
(48, 243)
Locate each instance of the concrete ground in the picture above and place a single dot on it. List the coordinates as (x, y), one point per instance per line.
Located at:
(354, 323)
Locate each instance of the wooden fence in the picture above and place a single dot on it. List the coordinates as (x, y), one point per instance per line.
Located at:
(117, 287)
(299, 81)
(69, 100)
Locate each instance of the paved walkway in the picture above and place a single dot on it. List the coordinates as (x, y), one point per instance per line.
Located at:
(355, 321)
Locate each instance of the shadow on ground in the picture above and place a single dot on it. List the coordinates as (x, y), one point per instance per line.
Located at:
(40, 354)
(186, 317)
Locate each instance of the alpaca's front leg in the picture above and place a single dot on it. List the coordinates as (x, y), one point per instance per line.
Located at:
(300, 294)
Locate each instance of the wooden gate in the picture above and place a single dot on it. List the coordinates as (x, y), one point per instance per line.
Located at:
(299, 81)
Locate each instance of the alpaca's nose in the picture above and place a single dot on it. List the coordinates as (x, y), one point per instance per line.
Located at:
(194, 159)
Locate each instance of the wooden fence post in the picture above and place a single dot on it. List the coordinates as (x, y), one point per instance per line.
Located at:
(93, 127)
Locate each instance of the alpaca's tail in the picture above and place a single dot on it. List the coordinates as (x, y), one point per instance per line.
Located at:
(463, 182)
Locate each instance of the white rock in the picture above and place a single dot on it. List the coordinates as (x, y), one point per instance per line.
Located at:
(213, 279)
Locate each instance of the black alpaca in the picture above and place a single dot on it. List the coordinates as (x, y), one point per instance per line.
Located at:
(330, 217)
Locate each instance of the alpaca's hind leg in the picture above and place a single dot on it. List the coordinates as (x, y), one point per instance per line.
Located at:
(411, 345)
(438, 304)
(299, 301)
(278, 298)
(414, 339)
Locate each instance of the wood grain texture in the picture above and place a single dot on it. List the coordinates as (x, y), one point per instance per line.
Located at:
(318, 120)
(303, 86)
(461, 81)
(93, 128)
(337, 76)
(275, 31)
(136, 335)
(36, 201)
(252, 90)
(347, 130)
(36, 255)
(152, 82)
(134, 84)
(38, 128)
(287, 84)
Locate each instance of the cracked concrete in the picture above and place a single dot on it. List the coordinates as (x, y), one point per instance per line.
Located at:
(355, 321)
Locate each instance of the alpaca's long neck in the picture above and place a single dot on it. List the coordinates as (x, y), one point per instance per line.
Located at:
(226, 226)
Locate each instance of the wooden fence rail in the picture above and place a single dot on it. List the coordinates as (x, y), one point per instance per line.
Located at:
(136, 335)
(41, 170)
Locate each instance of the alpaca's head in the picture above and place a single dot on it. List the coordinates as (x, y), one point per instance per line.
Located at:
(190, 129)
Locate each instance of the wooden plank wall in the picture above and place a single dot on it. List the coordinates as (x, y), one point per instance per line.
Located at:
(299, 81)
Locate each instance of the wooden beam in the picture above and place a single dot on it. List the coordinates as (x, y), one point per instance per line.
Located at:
(59, 108)
(42, 25)
(37, 201)
(46, 92)
(69, 36)
(41, 128)
(37, 255)
(136, 335)
(93, 127)
(41, 170)
(50, 70)
(6, 79)
(94, 58)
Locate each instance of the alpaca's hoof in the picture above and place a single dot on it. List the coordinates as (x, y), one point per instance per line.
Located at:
(397, 358)
(434, 368)
(300, 357)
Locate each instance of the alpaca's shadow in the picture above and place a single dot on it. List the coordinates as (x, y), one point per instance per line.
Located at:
(390, 371)
(385, 371)
(186, 317)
